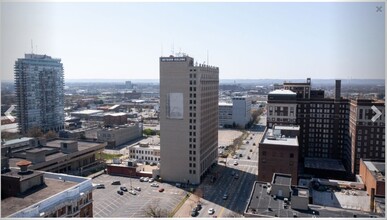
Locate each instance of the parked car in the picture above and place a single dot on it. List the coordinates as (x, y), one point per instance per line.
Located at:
(142, 179)
(161, 190)
(132, 192)
(151, 180)
(198, 206)
(146, 179)
(123, 188)
(235, 157)
(248, 157)
(155, 185)
(194, 213)
(211, 211)
(120, 192)
(253, 144)
(235, 163)
(225, 196)
(116, 182)
(240, 155)
(137, 188)
(100, 186)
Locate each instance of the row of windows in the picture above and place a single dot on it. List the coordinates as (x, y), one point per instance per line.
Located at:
(141, 152)
(192, 171)
(274, 154)
(145, 158)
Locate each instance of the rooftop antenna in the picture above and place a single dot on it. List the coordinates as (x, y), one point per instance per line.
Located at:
(208, 62)
(32, 47)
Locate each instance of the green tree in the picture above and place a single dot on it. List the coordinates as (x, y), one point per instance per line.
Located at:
(148, 132)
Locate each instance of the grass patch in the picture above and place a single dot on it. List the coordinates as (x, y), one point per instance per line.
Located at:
(106, 156)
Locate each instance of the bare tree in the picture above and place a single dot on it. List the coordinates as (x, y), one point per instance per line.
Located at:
(154, 211)
(50, 135)
(34, 132)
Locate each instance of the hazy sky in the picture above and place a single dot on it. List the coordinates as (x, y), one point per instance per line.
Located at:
(245, 40)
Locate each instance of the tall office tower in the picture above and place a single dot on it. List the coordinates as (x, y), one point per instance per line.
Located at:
(39, 86)
(188, 119)
(367, 137)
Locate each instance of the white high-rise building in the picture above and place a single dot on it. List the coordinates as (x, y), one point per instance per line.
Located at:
(188, 119)
(39, 86)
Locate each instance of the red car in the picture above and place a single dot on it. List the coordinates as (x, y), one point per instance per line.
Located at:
(161, 190)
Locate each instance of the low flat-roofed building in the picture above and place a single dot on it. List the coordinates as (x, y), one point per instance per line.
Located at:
(145, 152)
(111, 119)
(15, 145)
(278, 153)
(262, 204)
(280, 185)
(372, 173)
(62, 156)
(42, 194)
(120, 135)
(300, 198)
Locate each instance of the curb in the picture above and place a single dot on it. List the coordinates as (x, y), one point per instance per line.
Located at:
(178, 206)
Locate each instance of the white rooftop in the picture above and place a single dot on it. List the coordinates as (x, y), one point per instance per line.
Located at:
(19, 140)
(225, 104)
(88, 112)
(278, 140)
(282, 92)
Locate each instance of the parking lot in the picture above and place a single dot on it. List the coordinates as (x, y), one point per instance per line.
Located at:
(108, 203)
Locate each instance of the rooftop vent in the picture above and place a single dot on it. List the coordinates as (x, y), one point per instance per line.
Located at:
(23, 166)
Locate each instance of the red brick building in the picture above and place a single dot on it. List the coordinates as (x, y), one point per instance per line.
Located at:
(278, 153)
(373, 175)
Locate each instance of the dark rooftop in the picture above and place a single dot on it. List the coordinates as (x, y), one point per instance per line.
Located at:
(282, 179)
(323, 164)
(15, 174)
(262, 204)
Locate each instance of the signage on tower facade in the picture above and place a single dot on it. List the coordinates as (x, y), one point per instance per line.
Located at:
(173, 59)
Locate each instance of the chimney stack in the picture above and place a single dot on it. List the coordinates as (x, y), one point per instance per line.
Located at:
(23, 166)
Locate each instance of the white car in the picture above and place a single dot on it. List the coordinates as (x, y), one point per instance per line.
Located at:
(155, 185)
(211, 211)
(235, 157)
(235, 163)
(132, 192)
(146, 179)
(151, 180)
(137, 188)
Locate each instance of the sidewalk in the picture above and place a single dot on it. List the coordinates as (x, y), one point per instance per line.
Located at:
(185, 209)
(192, 201)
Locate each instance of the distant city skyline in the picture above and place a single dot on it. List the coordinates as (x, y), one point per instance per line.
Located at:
(245, 40)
